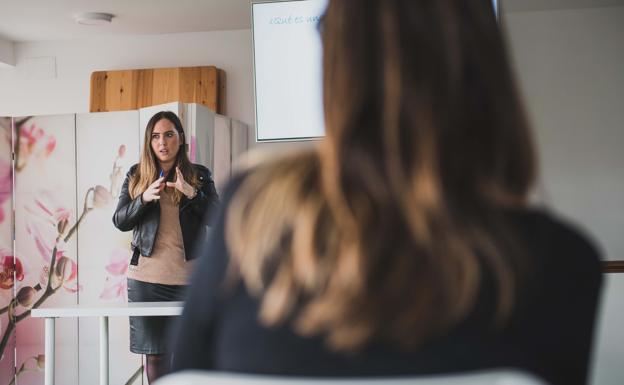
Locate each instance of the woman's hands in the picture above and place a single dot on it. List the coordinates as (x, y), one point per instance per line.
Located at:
(153, 190)
(181, 185)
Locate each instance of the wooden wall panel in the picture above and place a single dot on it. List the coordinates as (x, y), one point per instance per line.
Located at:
(121, 88)
(144, 94)
(165, 86)
(134, 89)
(199, 85)
(98, 92)
(221, 92)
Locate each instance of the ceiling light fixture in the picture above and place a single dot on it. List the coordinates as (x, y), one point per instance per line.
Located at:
(93, 18)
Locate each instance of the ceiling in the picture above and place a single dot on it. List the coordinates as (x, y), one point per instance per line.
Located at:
(41, 20)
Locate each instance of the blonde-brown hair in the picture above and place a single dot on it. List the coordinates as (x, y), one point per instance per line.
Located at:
(148, 170)
(383, 231)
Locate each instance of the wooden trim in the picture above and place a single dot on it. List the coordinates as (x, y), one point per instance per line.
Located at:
(613, 266)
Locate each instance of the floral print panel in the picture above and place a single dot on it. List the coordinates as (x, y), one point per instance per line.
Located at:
(11, 270)
(107, 145)
(60, 247)
(45, 242)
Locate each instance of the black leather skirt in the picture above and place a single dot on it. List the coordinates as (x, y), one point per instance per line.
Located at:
(148, 335)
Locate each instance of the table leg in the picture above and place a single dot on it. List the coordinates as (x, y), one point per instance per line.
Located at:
(104, 350)
(49, 351)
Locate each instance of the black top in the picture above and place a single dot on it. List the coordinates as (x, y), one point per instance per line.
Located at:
(550, 335)
(143, 218)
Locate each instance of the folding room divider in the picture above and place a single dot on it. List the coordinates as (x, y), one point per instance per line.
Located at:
(60, 176)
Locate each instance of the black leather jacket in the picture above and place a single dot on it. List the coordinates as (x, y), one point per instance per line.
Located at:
(143, 218)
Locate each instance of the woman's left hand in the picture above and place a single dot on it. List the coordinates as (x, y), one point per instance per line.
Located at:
(181, 185)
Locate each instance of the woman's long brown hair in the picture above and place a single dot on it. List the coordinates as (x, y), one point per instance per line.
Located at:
(148, 169)
(385, 230)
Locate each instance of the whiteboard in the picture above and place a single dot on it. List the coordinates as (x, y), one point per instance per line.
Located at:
(287, 69)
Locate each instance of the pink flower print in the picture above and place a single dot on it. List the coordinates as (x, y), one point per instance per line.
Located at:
(118, 263)
(50, 146)
(43, 277)
(7, 269)
(52, 214)
(66, 269)
(42, 242)
(116, 285)
(6, 176)
(67, 272)
(33, 141)
(64, 274)
(40, 362)
(6, 184)
(26, 296)
(116, 175)
(115, 289)
(193, 151)
(45, 217)
(101, 197)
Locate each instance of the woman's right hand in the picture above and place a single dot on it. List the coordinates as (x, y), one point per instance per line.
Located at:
(153, 190)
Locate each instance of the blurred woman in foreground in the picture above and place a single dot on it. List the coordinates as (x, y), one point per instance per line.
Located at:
(403, 243)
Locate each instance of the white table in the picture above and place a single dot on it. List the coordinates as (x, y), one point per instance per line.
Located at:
(104, 311)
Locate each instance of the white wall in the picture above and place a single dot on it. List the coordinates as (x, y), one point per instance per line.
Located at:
(53, 77)
(7, 57)
(609, 339)
(571, 67)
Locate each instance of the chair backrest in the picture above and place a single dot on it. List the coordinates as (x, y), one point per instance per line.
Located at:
(489, 377)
